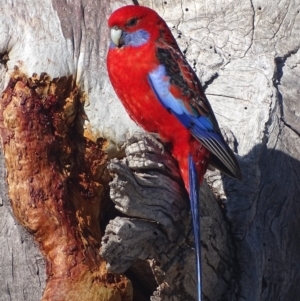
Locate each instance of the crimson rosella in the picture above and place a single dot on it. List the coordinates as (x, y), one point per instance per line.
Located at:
(161, 93)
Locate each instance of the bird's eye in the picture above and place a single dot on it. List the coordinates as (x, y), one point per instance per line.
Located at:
(132, 22)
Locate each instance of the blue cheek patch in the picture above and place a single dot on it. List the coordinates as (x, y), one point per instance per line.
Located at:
(135, 39)
(112, 45)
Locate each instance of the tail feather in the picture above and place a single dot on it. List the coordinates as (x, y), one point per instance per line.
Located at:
(195, 208)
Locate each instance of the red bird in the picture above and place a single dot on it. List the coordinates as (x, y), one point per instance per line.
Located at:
(161, 92)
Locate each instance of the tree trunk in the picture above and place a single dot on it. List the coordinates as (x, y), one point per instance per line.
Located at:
(92, 208)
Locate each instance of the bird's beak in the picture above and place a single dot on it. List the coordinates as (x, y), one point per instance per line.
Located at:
(115, 35)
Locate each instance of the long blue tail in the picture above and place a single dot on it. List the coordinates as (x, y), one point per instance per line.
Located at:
(195, 208)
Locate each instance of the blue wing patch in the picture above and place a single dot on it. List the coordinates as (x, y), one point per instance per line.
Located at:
(200, 126)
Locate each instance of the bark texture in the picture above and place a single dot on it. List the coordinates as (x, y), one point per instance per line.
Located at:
(147, 188)
(246, 54)
(22, 269)
(56, 181)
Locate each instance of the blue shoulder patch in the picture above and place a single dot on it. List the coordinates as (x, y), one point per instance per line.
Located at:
(160, 85)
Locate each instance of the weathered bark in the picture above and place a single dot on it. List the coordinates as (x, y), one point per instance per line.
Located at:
(246, 54)
(56, 182)
(22, 266)
(147, 187)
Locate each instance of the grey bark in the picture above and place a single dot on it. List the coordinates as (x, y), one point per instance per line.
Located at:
(22, 268)
(246, 54)
(148, 189)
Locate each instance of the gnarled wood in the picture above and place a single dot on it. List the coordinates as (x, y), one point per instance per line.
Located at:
(56, 188)
(148, 189)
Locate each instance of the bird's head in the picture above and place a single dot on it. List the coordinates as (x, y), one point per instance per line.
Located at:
(133, 26)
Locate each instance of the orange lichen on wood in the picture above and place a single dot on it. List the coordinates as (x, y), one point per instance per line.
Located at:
(57, 180)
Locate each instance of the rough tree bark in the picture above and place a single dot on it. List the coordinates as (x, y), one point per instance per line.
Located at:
(69, 153)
